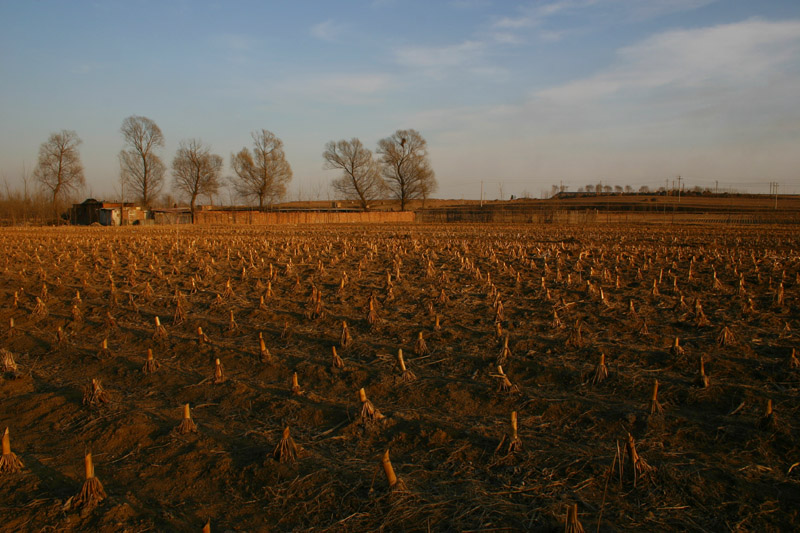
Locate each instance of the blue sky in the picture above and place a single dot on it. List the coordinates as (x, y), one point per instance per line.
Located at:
(519, 95)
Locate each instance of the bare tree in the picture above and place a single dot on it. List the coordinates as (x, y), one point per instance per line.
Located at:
(264, 173)
(196, 171)
(59, 168)
(405, 166)
(360, 179)
(139, 165)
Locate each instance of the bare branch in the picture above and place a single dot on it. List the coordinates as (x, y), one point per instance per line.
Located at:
(264, 173)
(405, 166)
(59, 168)
(140, 166)
(196, 171)
(360, 179)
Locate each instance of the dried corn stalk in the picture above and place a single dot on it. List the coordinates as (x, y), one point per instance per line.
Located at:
(40, 309)
(372, 315)
(336, 361)
(9, 462)
(187, 425)
(768, 419)
(505, 383)
(395, 484)
(573, 525)
(406, 376)
(676, 349)
(726, 337)
(655, 406)
(266, 357)
(420, 348)
(232, 326)
(345, 339)
(7, 363)
(150, 364)
(95, 394)
(219, 376)
(511, 442)
(160, 332)
(104, 352)
(575, 338)
(639, 466)
(505, 354)
(702, 379)
(296, 384)
(600, 371)
(286, 451)
(92, 491)
(369, 413)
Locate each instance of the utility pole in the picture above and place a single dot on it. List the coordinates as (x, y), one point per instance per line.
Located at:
(716, 186)
(481, 193)
(679, 189)
(776, 196)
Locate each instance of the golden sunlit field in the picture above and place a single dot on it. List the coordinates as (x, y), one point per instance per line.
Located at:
(407, 377)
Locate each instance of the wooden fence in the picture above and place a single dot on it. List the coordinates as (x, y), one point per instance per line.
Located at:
(302, 217)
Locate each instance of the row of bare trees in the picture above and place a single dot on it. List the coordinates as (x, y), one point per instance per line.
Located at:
(401, 171)
(261, 174)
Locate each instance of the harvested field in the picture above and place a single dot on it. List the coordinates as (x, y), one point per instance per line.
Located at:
(594, 338)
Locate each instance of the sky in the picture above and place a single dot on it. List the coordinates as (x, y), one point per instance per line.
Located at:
(511, 96)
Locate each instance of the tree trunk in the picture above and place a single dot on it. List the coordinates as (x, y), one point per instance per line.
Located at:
(192, 206)
(55, 203)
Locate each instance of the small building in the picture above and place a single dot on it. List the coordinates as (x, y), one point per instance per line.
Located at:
(85, 213)
(172, 215)
(122, 215)
(92, 211)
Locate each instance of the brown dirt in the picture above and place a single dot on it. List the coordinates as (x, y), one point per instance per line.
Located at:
(717, 465)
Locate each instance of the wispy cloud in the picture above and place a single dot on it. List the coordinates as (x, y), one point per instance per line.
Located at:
(732, 55)
(718, 101)
(329, 30)
(578, 13)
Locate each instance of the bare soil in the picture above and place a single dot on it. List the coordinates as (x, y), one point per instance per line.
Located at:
(716, 463)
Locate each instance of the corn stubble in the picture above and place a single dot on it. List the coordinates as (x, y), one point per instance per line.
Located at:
(286, 451)
(187, 425)
(369, 414)
(95, 395)
(598, 282)
(511, 443)
(92, 492)
(395, 484)
(9, 462)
